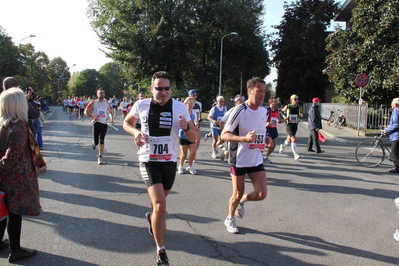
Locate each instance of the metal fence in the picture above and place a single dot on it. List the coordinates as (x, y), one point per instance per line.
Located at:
(371, 117)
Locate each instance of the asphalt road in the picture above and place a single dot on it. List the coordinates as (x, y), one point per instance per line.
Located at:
(321, 210)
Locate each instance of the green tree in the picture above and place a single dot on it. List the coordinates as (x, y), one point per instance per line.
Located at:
(114, 75)
(86, 83)
(34, 68)
(299, 49)
(8, 55)
(58, 75)
(183, 37)
(371, 46)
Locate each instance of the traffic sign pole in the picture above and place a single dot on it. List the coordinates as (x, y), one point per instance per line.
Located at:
(361, 81)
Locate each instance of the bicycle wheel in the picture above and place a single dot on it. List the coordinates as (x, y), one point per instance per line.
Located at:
(330, 120)
(369, 153)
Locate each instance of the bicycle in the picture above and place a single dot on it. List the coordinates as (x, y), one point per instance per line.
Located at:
(330, 118)
(371, 153)
(340, 121)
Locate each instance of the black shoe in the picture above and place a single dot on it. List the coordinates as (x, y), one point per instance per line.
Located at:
(148, 217)
(162, 259)
(21, 253)
(311, 151)
(394, 171)
(320, 152)
(4, 244)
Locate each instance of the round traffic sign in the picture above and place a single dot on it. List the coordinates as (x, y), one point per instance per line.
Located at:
(362, 80)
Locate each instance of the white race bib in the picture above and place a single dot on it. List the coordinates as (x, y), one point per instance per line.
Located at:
(260, 140)
(293, 119)
(160, 148)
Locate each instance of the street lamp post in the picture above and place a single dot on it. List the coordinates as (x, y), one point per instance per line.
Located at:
(61, 78)
(20, 50)
(221, 61)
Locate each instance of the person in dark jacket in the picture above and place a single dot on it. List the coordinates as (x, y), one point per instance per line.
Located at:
(314, 125)
(393, 131)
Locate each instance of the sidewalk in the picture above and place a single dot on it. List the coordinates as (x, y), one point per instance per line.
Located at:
(343, 135)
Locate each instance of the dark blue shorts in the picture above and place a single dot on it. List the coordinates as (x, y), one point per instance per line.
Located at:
(272, 133)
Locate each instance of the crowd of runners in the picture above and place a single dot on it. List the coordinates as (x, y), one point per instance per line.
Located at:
(167, 134)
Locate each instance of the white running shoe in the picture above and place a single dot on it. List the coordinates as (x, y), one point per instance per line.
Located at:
(191, 169)
(215, 155)
(397, 203)
(206, 137)
(282, 147)
(396, 235)
(296, 156)
(231, 225)
(180, 169)
(240, 211)
(100, 160)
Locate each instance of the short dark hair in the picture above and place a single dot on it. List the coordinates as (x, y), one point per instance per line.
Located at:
(160, 75)
(251, 83)
(271, 99)
(10, 82)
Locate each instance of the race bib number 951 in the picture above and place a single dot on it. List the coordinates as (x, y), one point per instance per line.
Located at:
(260, 140)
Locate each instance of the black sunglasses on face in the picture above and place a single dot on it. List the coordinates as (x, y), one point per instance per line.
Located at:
(162, 88)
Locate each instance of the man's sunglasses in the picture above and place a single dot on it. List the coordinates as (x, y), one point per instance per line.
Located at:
(162, 88)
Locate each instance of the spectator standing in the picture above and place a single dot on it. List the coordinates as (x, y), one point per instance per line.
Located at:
(17, 172)
(314, 125)
(39, 133)
(393, 131)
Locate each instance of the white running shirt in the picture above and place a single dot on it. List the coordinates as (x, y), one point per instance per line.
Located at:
(243, 120)
(160, 125)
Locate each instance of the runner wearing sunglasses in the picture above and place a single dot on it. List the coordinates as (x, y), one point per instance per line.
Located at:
(158, 141)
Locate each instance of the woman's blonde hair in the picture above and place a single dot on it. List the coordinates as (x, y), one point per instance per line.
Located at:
(13, 106)
(189, 99)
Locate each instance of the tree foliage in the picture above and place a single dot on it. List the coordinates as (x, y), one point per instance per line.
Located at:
(86, 83)
(58, 75)
(299, 49)
(114, 74)
(183, 37)
(8, 55)
(371, 46)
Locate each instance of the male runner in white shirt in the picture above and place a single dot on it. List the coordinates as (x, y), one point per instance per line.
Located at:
(246, 133)
(158, 141)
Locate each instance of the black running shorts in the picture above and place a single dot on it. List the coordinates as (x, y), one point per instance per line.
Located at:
(158, 173)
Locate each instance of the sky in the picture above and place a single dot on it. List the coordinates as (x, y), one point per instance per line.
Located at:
(62, 29)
